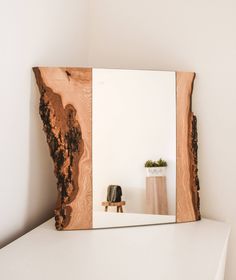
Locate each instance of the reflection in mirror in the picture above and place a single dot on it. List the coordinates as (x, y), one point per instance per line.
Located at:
(133, 147)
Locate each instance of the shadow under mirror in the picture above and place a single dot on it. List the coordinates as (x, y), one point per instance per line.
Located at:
(134, 147)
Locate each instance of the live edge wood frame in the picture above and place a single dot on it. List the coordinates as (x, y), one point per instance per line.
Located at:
(65, 108)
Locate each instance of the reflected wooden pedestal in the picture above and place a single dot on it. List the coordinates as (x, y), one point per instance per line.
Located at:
(156, 196)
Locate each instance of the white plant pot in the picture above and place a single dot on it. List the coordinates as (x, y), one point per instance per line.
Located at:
(155, 171)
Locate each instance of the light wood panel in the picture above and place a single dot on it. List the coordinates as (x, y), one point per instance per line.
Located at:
(187, 184)
(66, 111)
(156, 195)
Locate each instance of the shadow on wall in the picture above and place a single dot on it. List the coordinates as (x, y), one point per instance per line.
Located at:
(41, 185)
(42, 192)
(135, 199)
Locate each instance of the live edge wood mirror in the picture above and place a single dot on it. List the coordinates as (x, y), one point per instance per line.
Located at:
(124, 146)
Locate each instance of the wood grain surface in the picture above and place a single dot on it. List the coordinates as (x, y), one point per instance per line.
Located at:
(187, 184)
(66, 112)
(156, 195)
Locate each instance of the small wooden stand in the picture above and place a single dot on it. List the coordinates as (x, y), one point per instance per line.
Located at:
(156, 196)
(116, 204)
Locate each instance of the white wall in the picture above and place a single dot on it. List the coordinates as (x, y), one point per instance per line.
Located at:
(45, 32)
(184, 35)
(189, 35)
(134, 120)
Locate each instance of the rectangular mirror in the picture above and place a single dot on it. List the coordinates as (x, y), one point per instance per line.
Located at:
(124, 146)
(133, 121)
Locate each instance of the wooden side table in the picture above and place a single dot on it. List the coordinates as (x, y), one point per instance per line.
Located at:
(156, 195)
(116, 204)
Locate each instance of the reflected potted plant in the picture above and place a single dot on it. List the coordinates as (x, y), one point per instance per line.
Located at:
(155, 168)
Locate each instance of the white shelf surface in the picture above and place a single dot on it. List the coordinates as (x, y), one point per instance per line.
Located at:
(193, 251)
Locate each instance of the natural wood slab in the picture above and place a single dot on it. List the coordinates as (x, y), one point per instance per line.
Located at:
(187, 184)
(66, 111)
(156, 195)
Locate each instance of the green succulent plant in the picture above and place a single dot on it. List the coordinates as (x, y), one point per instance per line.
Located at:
(150, 163)
(161, 163)
(158, 163)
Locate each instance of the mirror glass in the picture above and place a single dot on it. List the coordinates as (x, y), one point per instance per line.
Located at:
(133, 126)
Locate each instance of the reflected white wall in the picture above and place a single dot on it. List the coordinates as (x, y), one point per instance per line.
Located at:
(134, 119)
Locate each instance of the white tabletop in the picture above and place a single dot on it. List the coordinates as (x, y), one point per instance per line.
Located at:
(166, 252)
